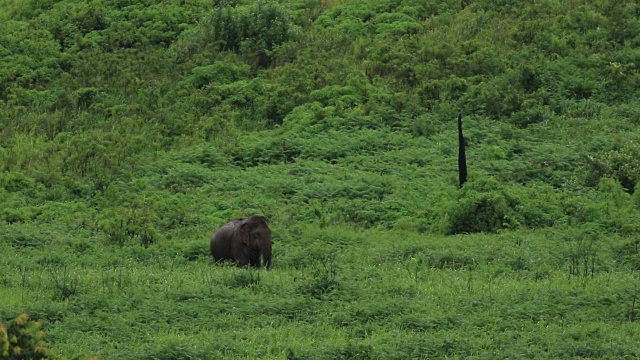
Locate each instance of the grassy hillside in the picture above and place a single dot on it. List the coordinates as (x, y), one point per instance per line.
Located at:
(130, 130)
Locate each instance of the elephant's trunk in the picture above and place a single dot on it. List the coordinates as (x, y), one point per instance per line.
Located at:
(266, 256)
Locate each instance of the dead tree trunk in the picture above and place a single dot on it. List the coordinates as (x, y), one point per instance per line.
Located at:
(462, 156)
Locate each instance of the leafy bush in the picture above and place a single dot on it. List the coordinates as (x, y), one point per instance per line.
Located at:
(357, 350)
(23, 236)
(173, 349)
(482, 206)
(220, 72)
(206, 155)
(628, 254)
(241, 278)
(622, 164)
(125, 224)
(15, 214)
(17, 182)
(65, 282)
(617, 212)
(254, 30)
(188, 250)
(23, 338)
(323, 282)
(183, 178)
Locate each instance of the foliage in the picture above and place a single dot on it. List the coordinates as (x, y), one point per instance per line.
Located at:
(130, 130)
(620, 164)
(253, 30)
(23, 338)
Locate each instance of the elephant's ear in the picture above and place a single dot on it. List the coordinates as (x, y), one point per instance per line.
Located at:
(244, 231)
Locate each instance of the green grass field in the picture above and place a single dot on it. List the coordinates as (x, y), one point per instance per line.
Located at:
(335, 292)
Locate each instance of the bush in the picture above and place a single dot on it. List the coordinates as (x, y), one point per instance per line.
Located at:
(173, 350)
(220, 72)
(23, 338)
(482, 206)
(621, 164)
(253, 31)
(17, 182)
(323, 282)
(22, 236)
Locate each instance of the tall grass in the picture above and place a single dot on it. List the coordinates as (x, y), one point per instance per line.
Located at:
(371, 294)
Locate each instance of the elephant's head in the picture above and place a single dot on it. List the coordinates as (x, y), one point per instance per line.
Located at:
(256, 238)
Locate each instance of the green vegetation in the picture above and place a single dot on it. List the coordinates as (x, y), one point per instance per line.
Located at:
(23, 338)
(130, 130)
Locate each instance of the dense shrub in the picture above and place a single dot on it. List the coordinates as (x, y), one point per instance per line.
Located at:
(622, 164)
(251, 30)
(23, 338)
(219, 72)
(482, 206)
(23, 236)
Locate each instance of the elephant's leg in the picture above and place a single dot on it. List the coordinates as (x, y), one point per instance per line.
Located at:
(244, 261)
(254, 259)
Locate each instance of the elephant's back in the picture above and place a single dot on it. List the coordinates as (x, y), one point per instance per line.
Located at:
(225, 230)
(221, 241)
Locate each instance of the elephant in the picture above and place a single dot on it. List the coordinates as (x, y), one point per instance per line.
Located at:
(243, 241)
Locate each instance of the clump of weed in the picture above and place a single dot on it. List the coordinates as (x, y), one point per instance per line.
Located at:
(21, 236)
(629, 254)
(322, 282)
(188, 250)
(582, 254)
(352, 350)
(454, 262)
(65, 282)
(173, 350)
(242, 278)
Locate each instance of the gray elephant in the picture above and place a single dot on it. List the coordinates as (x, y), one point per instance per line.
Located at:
(243, 241)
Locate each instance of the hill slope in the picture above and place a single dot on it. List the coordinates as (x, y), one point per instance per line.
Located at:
(96, 92)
